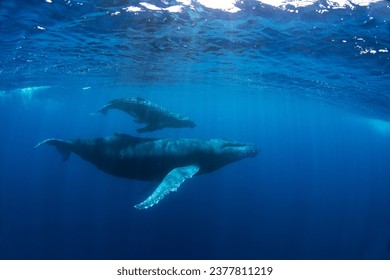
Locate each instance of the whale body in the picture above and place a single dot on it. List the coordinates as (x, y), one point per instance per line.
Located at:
(170, 161)
(154, 116)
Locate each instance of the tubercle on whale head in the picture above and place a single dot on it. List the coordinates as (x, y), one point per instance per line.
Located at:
(240, 150)
(251, 151)
(248, 150)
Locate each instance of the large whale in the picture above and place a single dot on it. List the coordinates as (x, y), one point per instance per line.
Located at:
(154, 116)
(170, 161)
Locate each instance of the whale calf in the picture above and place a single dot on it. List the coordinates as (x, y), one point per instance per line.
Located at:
(154, 116)
(170, 161)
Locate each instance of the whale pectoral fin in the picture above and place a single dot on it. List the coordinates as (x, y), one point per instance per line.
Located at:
(171, 183)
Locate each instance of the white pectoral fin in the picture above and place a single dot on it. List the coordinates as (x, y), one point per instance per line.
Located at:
(170, 183)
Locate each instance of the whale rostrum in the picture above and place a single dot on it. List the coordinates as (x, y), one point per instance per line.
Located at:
(170, 161)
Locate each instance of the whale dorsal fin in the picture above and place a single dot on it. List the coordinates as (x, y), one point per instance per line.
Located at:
(126, 136)
(170, 183)
(64, 147)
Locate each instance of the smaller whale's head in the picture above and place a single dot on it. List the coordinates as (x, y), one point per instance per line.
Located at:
(186, 122)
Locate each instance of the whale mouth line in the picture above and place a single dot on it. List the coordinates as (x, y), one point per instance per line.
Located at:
(237, 145)
(244, 150)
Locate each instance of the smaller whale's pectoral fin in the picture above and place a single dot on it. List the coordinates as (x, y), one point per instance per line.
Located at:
(63, 147)
(150, 128)
(104, 109)
(170, 183)
(138, 120)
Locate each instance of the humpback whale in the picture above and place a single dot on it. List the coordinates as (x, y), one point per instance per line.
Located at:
(154, 116)
(170, 161)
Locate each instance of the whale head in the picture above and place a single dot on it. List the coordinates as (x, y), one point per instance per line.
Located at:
(221, 152)
(237, 150)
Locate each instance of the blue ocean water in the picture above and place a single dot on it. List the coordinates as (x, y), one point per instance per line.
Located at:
(309, 85)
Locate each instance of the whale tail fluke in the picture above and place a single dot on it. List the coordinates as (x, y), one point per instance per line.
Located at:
(63, 147)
